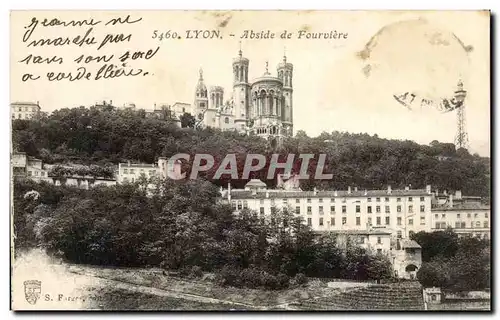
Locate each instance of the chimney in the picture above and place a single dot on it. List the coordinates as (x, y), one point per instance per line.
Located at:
(445, 192)
(366, 192)
(349, 190)
(451, 200)
(128, 163)
(355, 189)
(315, 191)
(458, 194)
(389, 189)
(267, 194)
(428, 189)
(335, 193)
(229, 191)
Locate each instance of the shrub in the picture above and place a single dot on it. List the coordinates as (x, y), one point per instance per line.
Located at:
(251, 278)
(300, 278)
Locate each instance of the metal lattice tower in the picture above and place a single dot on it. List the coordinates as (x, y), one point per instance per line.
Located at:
(462, 138)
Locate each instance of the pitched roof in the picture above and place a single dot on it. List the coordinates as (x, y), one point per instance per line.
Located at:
(405, 243)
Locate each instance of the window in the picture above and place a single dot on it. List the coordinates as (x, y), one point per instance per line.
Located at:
(377, 209)
(226, 120)
(378, 221)
(369, 221)
(443, 216)
(36, 173)
(320, 200)
(411, 233)
(468, 215)
(422, 208)
(438, 225)
(422, 199)
(475, 215)
(369, 208)
(20, 109)
(386, 199)
(309, 221)
(297, 210)
(378, 199)
(458, 215)
(273, 211)
(462, 224)
(320, 221)
(369, 199)
(358, 209)
(358, 221)
(285, 202)
(379, 240)
(422, 221)
(485, 225)
(332, 209)
(410, 222)
(19, 116)
(457, 224)
(309, 210)
(320, 209)
(410, 199)
(399, 221)
(30, 173)
(125, 171)
(245, 204)
(309, 200)
(297, 200)
(387, 220)
(398, 199)
(343, 200)
(239, 205)
(387, 209)
(261, 201)
(399, 209)
(344, 209)
(400, 234)
(42, 173)
(262, 210)
(436, 216)
(486, 214)
(410, 209)
(332, 221)
(332, 200)
(478, 224)
(344, 220)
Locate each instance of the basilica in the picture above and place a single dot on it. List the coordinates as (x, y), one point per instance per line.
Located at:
(263, 107)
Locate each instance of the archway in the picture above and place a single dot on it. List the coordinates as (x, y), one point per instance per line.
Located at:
(411, 271)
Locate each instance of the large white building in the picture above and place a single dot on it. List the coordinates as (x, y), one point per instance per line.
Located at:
(24, 110)
(400, 212)
(263, 106)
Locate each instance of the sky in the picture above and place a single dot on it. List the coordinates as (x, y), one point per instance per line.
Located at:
(339, 84)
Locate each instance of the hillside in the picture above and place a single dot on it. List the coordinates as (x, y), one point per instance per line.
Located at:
(108, 136)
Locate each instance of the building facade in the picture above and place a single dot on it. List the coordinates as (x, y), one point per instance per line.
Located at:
(466, 215)
(24, 110)
(263, 106)
(399, 212)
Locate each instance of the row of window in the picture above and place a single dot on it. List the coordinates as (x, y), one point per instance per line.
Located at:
(42, 173)
(20, 109)
(476, 215)
(320, 200)
(20, 116)
(462, 225)
(132, 171)
(241, 205)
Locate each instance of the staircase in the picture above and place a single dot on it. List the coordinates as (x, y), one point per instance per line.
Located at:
(396, 296)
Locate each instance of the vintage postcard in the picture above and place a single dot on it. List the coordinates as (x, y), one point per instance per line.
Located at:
(250, 160)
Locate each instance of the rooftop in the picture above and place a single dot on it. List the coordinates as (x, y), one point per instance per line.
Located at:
(405, 243)
(272, 194)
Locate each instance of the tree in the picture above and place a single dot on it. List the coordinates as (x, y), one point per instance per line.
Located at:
(187, 120)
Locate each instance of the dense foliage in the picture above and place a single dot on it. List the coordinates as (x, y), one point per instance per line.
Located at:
(105, 135)
(453, 263)
(180, 226)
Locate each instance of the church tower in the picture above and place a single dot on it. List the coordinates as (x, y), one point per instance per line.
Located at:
(200, 100)
(285, 74)
(241, 91)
